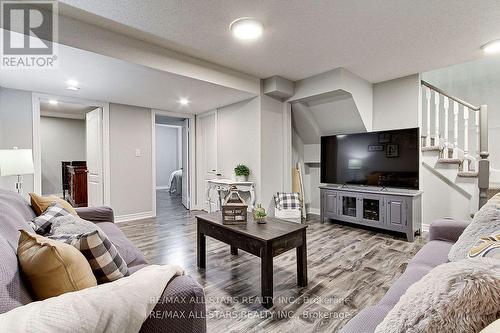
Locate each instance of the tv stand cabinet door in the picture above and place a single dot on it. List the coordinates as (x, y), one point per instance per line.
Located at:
(371, 210)
(396, 215)
(348, 207)
(329, 201)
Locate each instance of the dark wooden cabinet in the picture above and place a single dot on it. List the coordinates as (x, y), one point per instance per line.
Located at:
(77, 185)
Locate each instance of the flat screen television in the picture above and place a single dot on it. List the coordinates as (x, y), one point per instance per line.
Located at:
(386, 158)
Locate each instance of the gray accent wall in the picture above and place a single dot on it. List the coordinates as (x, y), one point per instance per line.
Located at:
(62, 139)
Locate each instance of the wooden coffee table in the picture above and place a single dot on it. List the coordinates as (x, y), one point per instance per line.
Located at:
(262, 240)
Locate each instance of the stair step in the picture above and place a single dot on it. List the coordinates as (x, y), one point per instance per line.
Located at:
(468, 174)
(450, 160)
(432, 148)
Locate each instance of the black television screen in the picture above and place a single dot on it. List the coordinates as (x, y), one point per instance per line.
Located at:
(386, 158)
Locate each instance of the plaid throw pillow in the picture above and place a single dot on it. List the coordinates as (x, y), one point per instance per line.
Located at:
(41, 224)
(105, 261)
(287, 200)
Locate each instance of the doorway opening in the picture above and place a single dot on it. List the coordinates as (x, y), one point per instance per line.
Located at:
(172, 164)
(69, 148)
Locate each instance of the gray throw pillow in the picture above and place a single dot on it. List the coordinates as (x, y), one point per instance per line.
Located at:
(71, 225)
(485, 222)
(462, 296)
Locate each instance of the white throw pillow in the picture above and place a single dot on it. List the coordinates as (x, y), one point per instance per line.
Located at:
(462, 296)
(485, 222)
(71, 225)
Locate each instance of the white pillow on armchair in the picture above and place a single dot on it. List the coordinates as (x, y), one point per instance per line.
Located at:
(292, 215)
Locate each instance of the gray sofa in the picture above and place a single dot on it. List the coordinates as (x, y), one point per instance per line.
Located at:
(442, 235)
(14, 214)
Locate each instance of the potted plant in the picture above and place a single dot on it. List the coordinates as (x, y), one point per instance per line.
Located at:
(242, 172)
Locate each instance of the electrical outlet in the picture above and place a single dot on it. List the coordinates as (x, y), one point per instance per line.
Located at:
(137, 153)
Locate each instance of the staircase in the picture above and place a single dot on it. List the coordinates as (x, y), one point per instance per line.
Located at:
(458, 154)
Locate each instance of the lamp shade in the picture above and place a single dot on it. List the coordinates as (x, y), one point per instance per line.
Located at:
(15, 162)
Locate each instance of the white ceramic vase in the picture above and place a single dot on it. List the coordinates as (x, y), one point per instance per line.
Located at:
(241, 178)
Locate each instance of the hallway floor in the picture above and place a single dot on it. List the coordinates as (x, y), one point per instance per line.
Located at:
(169, 205)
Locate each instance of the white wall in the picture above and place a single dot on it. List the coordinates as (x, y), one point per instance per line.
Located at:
(251, 132)
(239, 138)
(61, 140)
(271, 150)
(396, 103)
(16, 126)
(168, 149)
(131, 176)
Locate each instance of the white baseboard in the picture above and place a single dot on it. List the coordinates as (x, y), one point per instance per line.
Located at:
(163, 187)
(314, 211)
(133, 217)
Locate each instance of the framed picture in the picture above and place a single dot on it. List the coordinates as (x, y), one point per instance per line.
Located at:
(392, 150)
(375, 148)
(384, 137)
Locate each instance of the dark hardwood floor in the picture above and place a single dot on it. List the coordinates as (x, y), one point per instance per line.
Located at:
(348, 269)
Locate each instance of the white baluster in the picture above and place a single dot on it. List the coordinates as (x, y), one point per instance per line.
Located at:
(428, 98)
(466, 139)
(478, 134)
(446, 104)
(455, 130)
(436, 118)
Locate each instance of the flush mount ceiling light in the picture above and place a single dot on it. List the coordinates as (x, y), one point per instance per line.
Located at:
(72, 85)
(246, 28)
(183, 101)
(492, 47)
(53, 102)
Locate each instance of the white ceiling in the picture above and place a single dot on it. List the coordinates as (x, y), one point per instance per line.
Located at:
(378, 40)
(108, 79)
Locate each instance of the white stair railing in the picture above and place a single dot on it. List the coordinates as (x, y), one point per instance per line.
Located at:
(468, 163)
(455, 130)
(446, 106)
(466, 139)
(478, 136)
(428, 98)
(436, 119)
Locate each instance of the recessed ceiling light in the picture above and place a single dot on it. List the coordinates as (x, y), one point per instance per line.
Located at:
(53, 102)
(184, 101)
(492, 47)
(72, 85)
(246, 28)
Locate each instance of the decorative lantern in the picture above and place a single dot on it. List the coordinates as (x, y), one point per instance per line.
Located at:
(234, 208)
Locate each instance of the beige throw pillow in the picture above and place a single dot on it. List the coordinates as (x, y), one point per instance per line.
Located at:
(40, 204)
(52, 267)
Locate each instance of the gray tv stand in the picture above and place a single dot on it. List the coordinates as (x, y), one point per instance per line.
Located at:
(384, 208)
